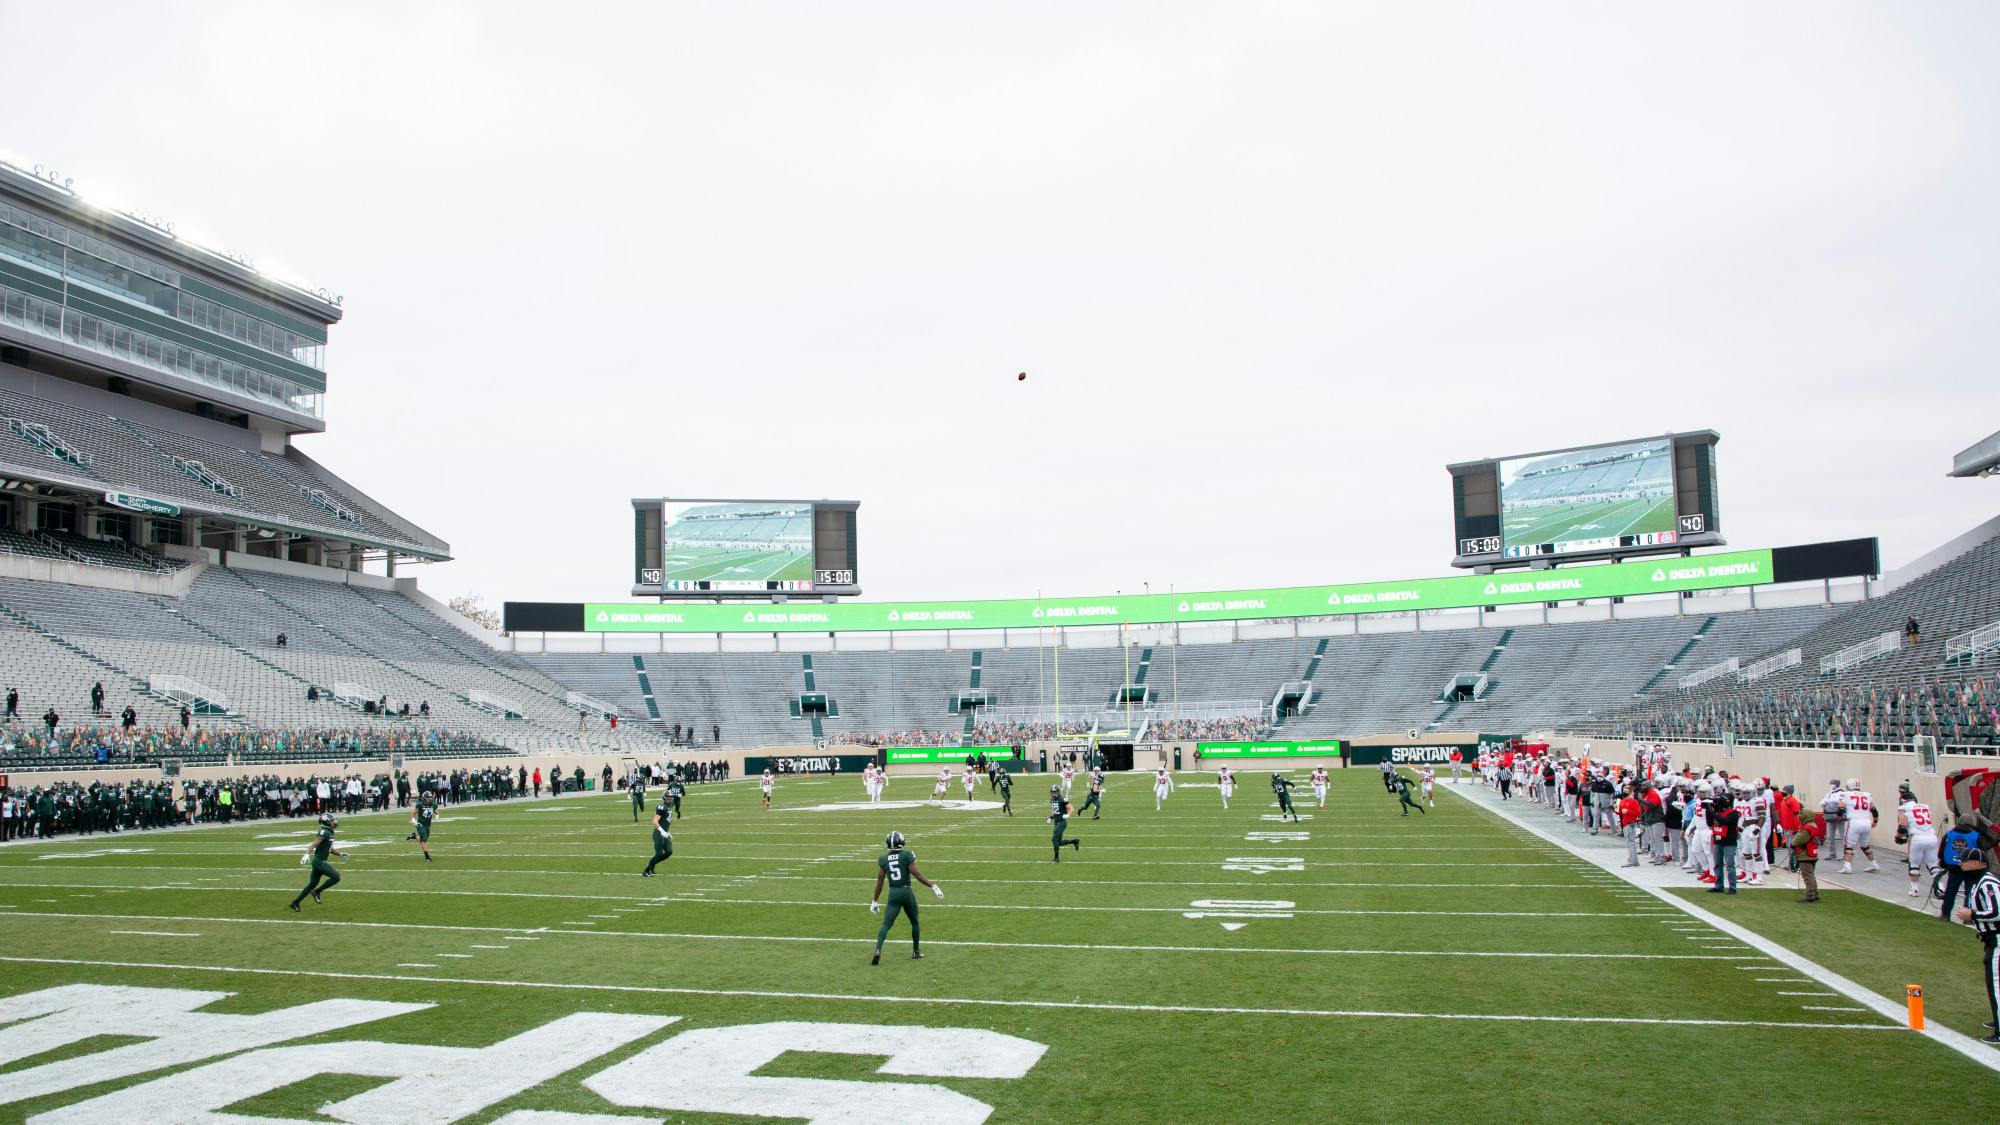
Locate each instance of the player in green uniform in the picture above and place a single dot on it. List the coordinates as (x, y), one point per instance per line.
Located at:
(638, 795)
(897, 867)
(1402, 785)
(1096, 792)
(674, 791)
(1282, 786)
(427, 807)
(1006, 784)
(1059, 811)
(663, 835)
(315, 854)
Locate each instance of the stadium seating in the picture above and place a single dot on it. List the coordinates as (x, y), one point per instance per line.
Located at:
(125, 455)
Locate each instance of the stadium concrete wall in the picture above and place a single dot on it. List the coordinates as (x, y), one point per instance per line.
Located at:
(98, 577)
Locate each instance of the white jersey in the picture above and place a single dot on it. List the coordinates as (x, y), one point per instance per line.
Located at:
(765, 781)
(966, 780)
(1161, 780)
(1319, 778)
(1225, 779)
(944, 779)
(1917, 816)
(1860, 806)
(1427, 776)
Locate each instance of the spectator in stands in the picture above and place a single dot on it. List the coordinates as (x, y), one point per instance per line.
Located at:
(425, 709)
(129, 719)
(50, 719)
(97, 698)
(13, 705)
(187, 717)
(312, 693)
(716, 732)
(283, 640)
(1911, 633)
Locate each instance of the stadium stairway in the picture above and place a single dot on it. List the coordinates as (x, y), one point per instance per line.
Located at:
(1675, 660)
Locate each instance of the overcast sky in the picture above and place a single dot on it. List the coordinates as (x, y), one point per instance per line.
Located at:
(1269, 267)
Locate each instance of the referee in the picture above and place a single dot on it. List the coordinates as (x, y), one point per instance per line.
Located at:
(1982, 909)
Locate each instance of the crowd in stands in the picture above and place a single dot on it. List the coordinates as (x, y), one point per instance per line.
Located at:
(894, 738)
(24, 746)
(1954, 709)
(1235, 728)
(1723, 829)
(1020, 734)
(77, 808)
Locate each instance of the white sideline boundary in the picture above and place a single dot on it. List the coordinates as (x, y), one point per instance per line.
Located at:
(948, 1001)
(1971, 1048)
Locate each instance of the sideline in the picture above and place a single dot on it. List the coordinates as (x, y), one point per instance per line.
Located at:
(1971, 1048)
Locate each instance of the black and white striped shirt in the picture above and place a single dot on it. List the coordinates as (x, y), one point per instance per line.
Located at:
(1984, 899)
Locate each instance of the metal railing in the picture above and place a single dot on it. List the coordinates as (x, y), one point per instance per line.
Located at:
(581, 702)
(496, 704)
(1962, 748)
(1972, 644)
(1712, 672)
(180, 689)
(1771, 665)
(1854, 654)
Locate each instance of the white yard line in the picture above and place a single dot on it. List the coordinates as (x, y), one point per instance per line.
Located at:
(949, 1001)
(1881, 1006)
(146, 933)
(813, 939)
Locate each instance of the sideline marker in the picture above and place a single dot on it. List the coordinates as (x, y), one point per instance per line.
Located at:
(1915, 992)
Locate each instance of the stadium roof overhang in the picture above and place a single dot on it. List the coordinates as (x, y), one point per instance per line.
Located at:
(1978, 460)
(78, 488)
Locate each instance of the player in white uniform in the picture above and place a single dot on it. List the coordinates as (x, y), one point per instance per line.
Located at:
(764, 783)
(1913, 819)
(1319, 786)
(1068, 775)
(1701, 838)
(1428, 777)
(868, 781)
(943, 783)
(1749, 815)
(1163, 784)
(880, 784)
(1226, 782)
(1861, 817)
(967, 781)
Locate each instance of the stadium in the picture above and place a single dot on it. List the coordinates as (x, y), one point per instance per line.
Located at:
(1618, 818)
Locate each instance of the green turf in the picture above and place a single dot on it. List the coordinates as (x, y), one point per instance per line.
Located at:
(1561, 523)
(689, 563)
(535, 911)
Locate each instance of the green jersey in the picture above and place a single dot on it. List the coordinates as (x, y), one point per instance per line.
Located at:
(1006, 784)
(324, 845)
(665, 812)
(426, 809)
(896, 866)
(1058, 809)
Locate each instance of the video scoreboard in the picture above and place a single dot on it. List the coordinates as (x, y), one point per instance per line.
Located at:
(1645, 495)
(743, 548)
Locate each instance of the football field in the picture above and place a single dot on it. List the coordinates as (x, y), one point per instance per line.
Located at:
(1594, 519)
(691, 564)
(1192, 964)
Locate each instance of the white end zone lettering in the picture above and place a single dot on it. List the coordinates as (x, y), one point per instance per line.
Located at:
(176, 1033)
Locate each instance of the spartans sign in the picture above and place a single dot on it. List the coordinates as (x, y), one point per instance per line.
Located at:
(1413, 754)
(203, 1062)
(809, 763)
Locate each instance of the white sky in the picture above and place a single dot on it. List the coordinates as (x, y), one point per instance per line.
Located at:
(1269, 266)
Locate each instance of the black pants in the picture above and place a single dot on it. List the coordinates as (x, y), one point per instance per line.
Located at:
(1505, 785)
(1991, 961)
(1953, 880)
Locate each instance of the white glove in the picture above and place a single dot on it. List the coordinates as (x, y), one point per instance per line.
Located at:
(874, 908)
(937, 890)
(305, 858)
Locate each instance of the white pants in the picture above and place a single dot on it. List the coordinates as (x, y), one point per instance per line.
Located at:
(1702, 849)
(1923, 853)
(1860, 833)
(1228, 791)
(1319, 793)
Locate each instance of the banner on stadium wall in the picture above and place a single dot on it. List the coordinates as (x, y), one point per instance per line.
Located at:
(946, 755)
(1626, 579)
(807, 763)
(144, 504)
(1310, 748)
(1413, 754)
